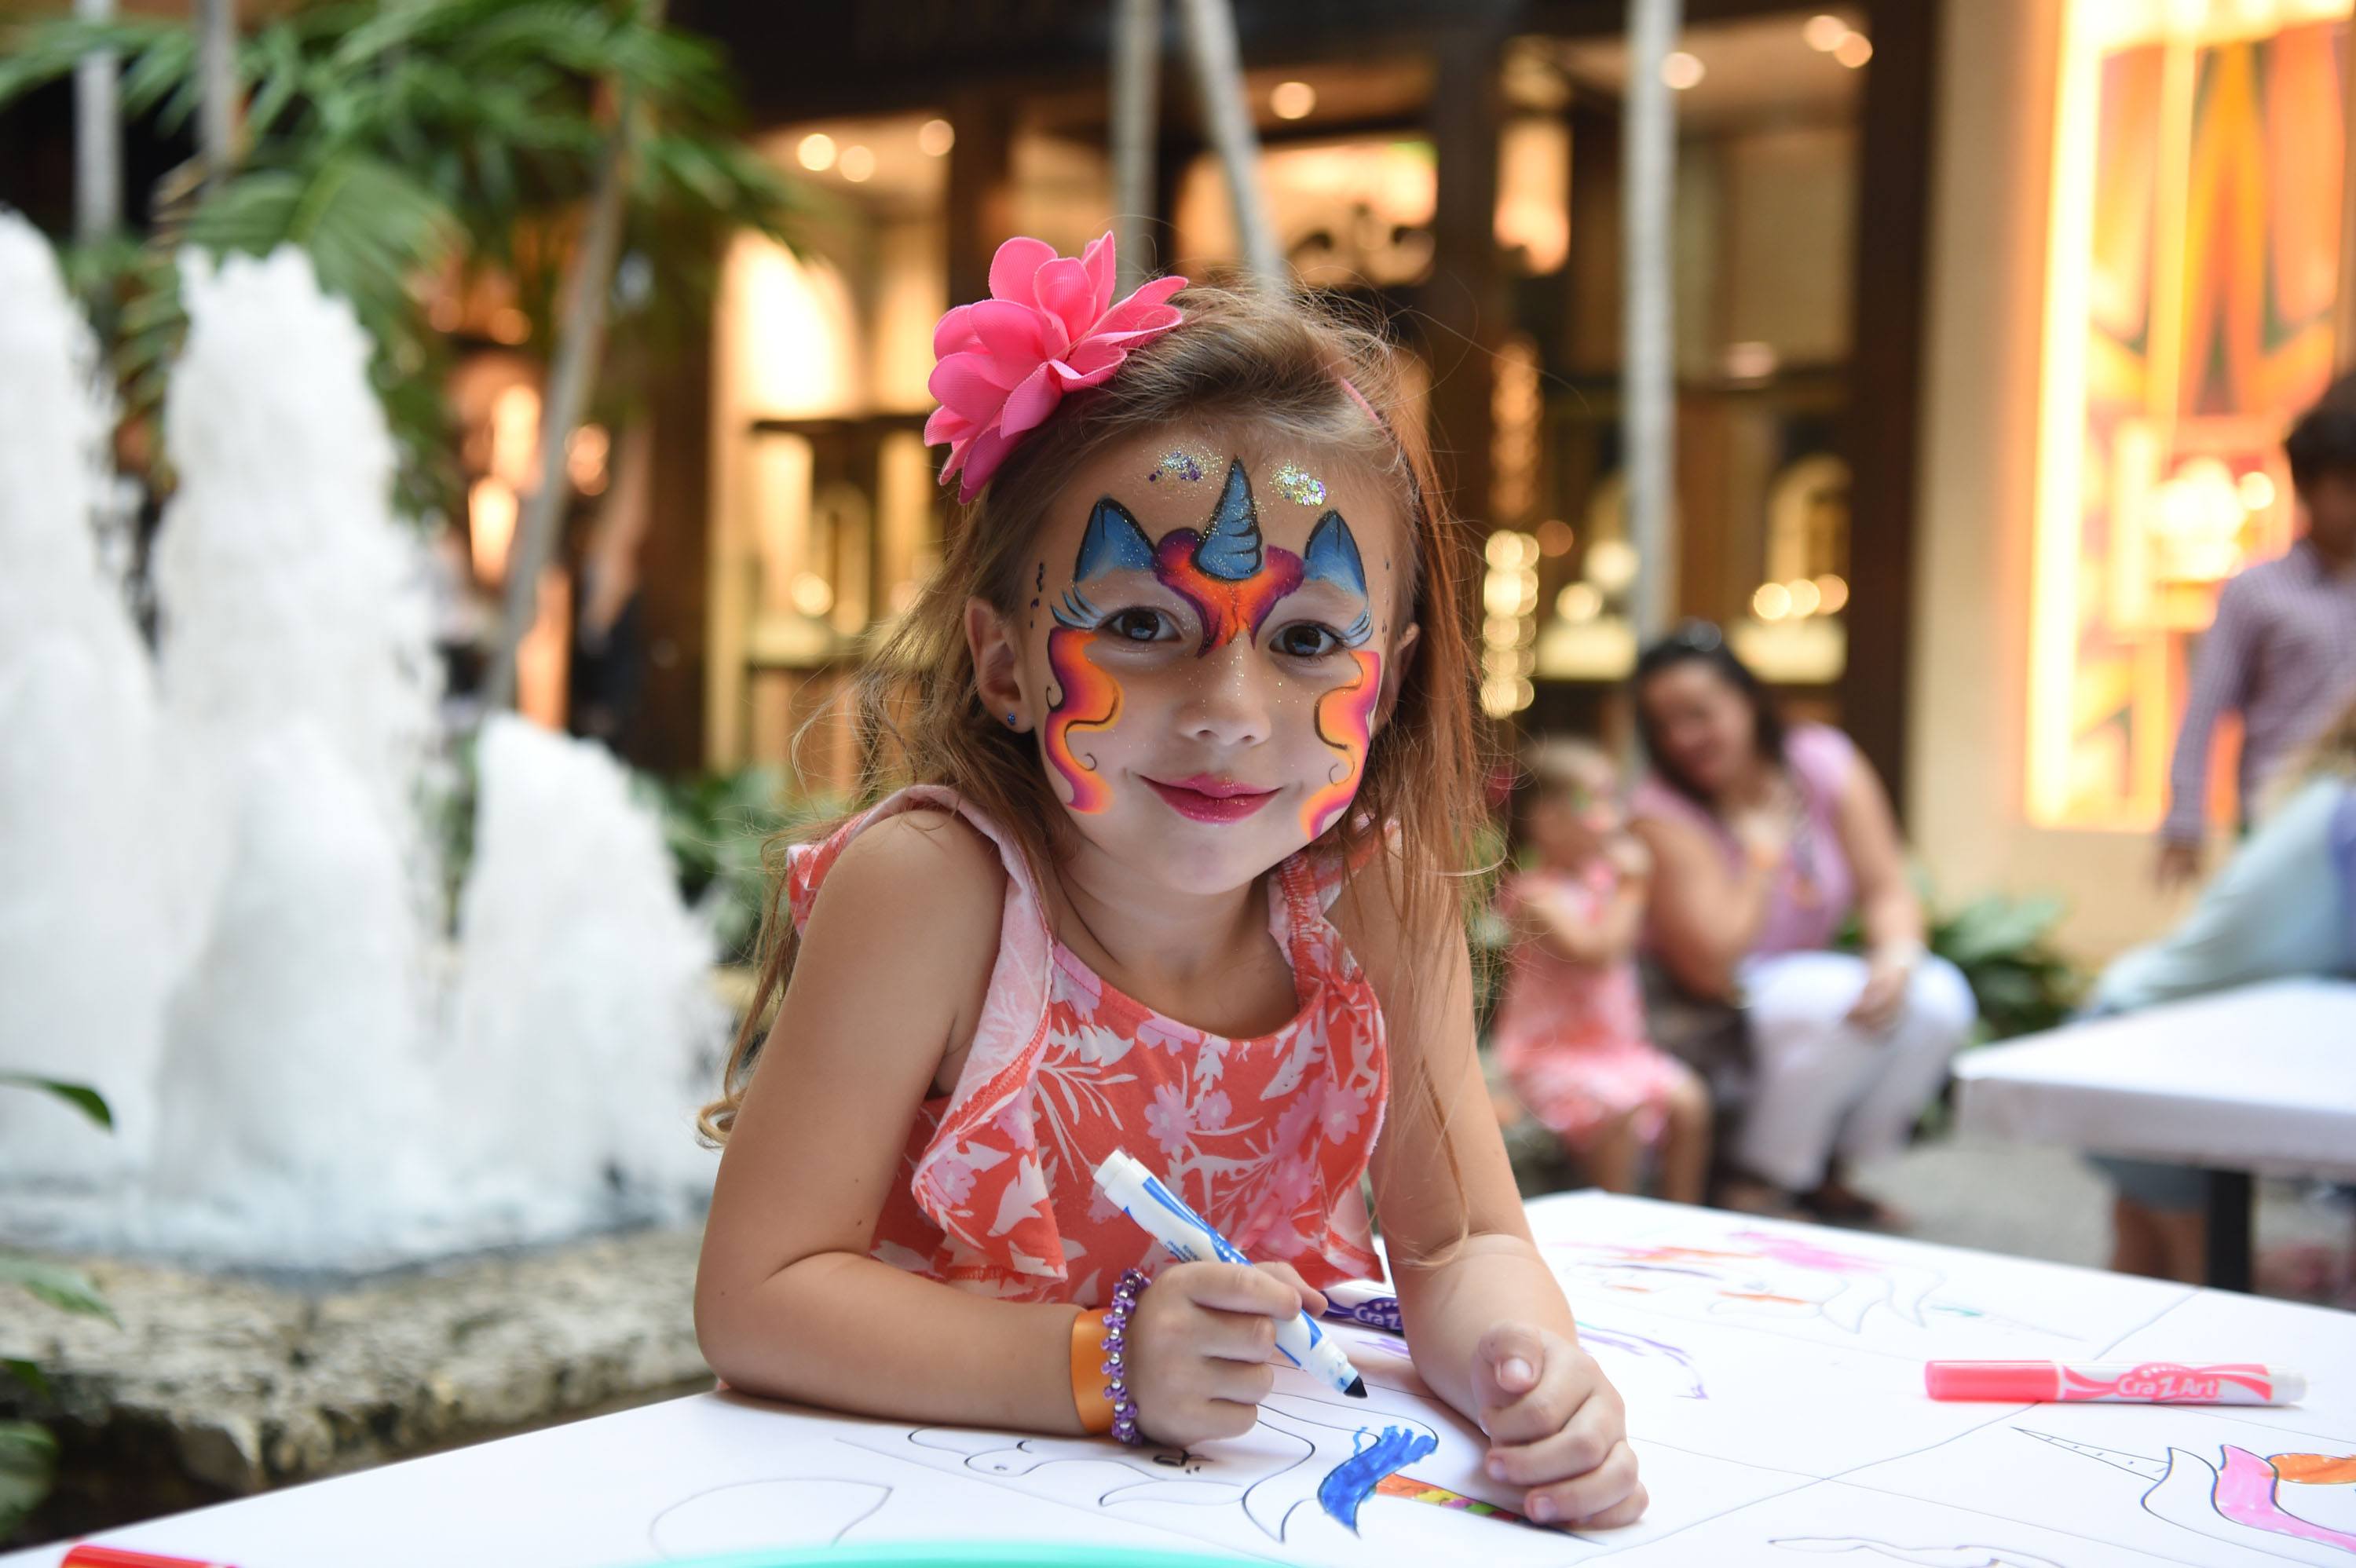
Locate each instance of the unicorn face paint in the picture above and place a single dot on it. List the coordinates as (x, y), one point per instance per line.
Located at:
(1210, 669)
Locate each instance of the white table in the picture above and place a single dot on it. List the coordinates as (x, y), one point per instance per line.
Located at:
(2258, 1080)
(1772, 1375)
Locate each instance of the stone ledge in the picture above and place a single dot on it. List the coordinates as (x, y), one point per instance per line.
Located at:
(214, 1388)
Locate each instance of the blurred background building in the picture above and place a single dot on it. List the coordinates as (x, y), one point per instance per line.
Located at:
(1989, 315)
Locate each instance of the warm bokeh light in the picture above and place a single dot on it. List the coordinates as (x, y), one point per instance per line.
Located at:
(1824, 33)
(509, 325)
(1579, 602)
(935, 137)
(1804, 596)
(812, 594)
(858, 163)
(1611, 564)
(816, 152)
(1555, 536)
(2256, 490)
(584, 459)
(1681, 71)
(1831, 594)
(1292, 100)
(1771, 603)
(491, 527)
(1854, 50)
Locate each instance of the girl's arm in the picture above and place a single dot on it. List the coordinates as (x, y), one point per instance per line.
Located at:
(1558, 924)
(1487, 1323)
(787, 1303)
(893, 969)
(1887, 909)
(1704, 917)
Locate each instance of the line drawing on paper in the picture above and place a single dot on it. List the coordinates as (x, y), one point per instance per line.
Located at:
(1760, 1278)
(1328, 1457)
(1634, 1344)
(1973, 1556)
(2239, 1500)
(780, 1511)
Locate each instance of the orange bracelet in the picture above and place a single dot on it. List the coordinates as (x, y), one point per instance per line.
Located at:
(1088, 1373)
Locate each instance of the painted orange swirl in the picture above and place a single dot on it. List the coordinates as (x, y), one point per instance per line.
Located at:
(1344, 722)
(1088, 700)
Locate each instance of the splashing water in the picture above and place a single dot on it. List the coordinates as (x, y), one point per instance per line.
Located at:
(324, 1081)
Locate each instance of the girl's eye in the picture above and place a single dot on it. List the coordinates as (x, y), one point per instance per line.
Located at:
(1135, 625)
(1306, 640)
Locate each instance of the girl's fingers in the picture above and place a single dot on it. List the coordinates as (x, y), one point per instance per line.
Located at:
(1312, 1300)
(1598, 1498)
(1575, 1447)
(1233, 1381)
(1234, 1287)
(1245, 1337)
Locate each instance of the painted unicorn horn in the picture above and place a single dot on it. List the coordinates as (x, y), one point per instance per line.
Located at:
(1229, 549)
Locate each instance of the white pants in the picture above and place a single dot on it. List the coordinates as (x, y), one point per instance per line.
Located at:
(1821, 1085)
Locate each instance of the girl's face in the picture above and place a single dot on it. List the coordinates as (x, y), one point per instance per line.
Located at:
(1704, 725)
(1210, 643)
(1574, 820)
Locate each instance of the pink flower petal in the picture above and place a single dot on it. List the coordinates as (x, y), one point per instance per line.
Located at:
(950, 333)
(947, 424)
(1012, 268)
(1143, 306)
(1097, 262)
(1065, 293)
(959, 383)
(1029, 403)
(981, 460)
(1009, 332)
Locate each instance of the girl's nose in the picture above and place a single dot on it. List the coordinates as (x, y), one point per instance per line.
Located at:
(1230, 703)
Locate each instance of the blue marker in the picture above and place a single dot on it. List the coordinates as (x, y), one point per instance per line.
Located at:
(1138, 1193)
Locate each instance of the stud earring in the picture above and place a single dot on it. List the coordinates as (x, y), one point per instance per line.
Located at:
(1012, 722)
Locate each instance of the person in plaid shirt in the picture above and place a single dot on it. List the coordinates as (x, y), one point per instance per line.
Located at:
(2282, 651)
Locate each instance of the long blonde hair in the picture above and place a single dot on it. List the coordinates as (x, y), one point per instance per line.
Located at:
(1274, 362)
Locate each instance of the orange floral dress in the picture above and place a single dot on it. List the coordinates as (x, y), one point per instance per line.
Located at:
(1266, 1137)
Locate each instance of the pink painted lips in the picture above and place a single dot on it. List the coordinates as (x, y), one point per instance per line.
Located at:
(1205, 798)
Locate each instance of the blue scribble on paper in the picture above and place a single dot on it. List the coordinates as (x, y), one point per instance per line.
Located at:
(1352, 1480)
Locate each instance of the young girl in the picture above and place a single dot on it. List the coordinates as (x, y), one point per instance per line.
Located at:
(1570, 1027)
(1185, 725)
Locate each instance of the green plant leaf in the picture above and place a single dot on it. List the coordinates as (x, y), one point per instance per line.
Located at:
(69, 1290)
(81, 1097)
(27, 1374)
(28, 1464)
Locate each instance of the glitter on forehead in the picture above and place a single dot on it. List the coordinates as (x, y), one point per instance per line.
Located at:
(1299, 485)
(1182, 463)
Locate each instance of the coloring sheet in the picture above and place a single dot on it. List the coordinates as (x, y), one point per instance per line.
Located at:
(1773, 1374)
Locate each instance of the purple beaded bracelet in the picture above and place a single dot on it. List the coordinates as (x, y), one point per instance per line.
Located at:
(1124, 1301)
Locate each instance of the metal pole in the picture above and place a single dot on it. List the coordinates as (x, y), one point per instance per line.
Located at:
(1219, 77)
(1648, 343)
(1136, 79)
(216, 85)
(98, 135)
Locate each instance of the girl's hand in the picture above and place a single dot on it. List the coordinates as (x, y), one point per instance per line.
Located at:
(1556, 1427)
(1629, 857)
(1198, 1347)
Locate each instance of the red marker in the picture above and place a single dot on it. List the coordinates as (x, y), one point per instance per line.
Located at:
(89, 1556)
(2114, 1382)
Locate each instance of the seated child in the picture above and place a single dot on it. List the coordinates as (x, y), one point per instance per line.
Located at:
(1569, 1029)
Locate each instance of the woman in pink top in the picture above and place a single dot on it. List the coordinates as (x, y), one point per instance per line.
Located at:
(1765, 840)
(1570, 1031)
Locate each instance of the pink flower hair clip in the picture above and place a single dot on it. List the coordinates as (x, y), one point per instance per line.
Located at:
(1050, 326)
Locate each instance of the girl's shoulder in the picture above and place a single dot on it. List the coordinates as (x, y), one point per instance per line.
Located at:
(923, 852)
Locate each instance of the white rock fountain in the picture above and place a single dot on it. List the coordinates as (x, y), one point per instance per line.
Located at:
(219, 900)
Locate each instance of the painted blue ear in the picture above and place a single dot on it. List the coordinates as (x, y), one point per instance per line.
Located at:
(1230, 550)
(1332, 554)
(1114, 542)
